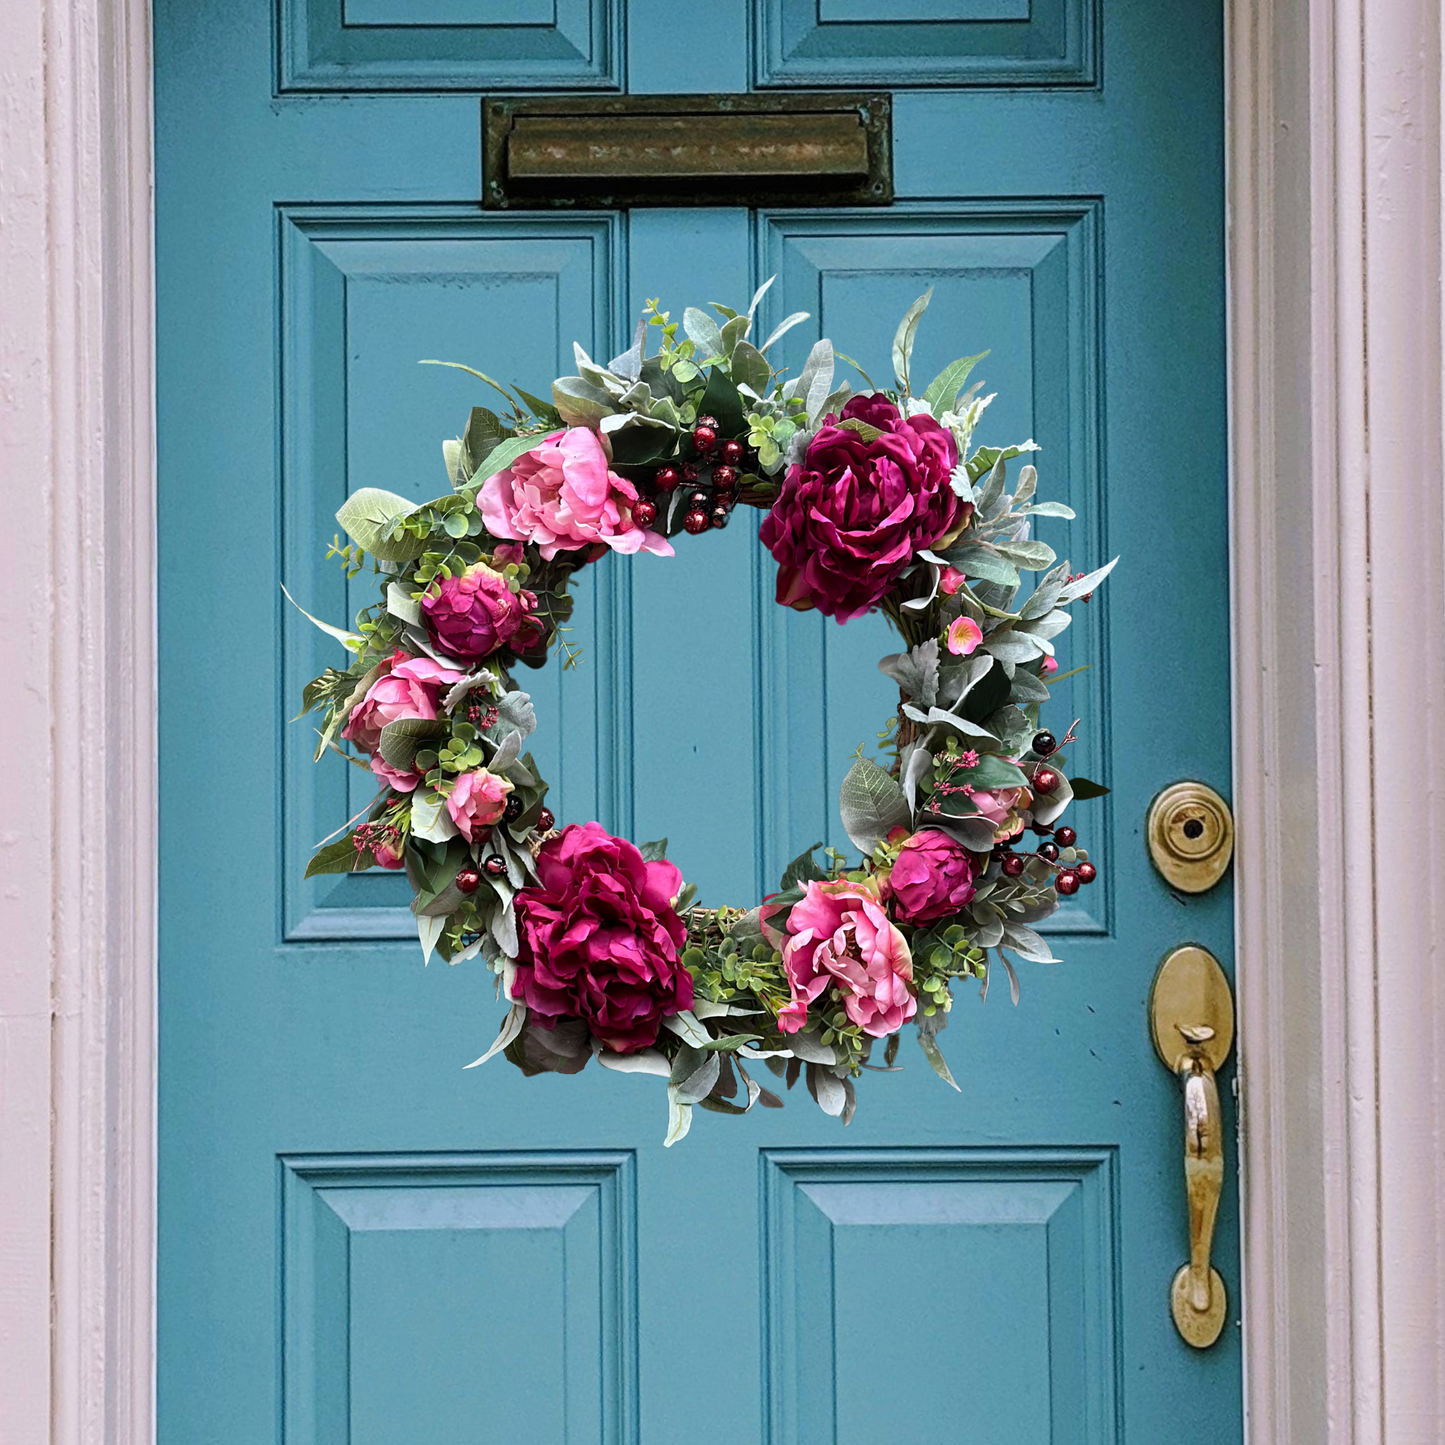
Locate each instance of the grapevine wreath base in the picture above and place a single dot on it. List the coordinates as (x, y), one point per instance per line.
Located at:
(873, 501)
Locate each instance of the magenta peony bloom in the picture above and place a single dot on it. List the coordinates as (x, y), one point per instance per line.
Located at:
(840, 936)
(852, 516)
(932, 878)
(600, 939)
(408, 687)
(476, 801)
(563, 496)
(476, 614)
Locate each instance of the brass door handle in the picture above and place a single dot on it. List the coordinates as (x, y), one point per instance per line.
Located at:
(1192, 1018)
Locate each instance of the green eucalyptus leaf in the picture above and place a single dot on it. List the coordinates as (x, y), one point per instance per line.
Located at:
(905, 336)
(943, 390)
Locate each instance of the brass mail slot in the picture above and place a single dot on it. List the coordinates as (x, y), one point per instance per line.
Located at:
(687, 150)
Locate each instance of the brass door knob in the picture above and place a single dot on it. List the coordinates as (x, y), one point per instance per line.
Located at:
(1191, 1017)
(1191, 836)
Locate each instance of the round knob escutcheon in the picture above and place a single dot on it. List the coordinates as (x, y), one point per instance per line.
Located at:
(1191, 836)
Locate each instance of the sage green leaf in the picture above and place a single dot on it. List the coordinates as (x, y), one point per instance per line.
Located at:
(758, 296)
(783, 327)
(685, 1025)
(703, 332)
(1075, 590)
(452, 456)
(679, 1118)
(655, 851)
(694, 1072)
(472, 371)
(750, 367)
(401, 604)
(976, 559)
(511, 1027)
(544, 411)
(802, 869)
(826, 1089)
(1010, 646)
(927, 1028)
(429, 930)
(429, 817)
(369, 518)
(943, 390)
(733, 331)
(1028, 553)
(347, 639)
(1028, 482)
(811, 1049)
(1047, 509)
(904, 337)
(1026, 943)
(1085, 788)
(579, 403)
(645, 1061)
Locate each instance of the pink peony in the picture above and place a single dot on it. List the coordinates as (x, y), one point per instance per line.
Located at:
(476, 614)
(932, 878)
(851, 517)
(1004, 808)
(963, 636)
(563, 496)
(409, 687)
(840, 936)
(600, 939)
(476, 801)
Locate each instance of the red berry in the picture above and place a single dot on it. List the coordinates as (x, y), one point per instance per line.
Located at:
(468, 879)
(1065, 837)
(1045, 743)
(731, 452)
(704, 438)
(495, 866)
(1013, 865)
(697, 521)
(1045, 780)
(545, 820)
(712, 421)
(1048, 852)
(513, 810)
(719, 516)
(1086, 872)
(644, 513)
(689, 472)
(698, 499)
(666, 479)
(724, 476)
(1067, 882)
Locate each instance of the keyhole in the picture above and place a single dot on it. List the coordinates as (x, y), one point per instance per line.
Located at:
(1193, 828)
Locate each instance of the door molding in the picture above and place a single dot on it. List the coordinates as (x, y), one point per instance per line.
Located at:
(1335, 255)
(1334, 137)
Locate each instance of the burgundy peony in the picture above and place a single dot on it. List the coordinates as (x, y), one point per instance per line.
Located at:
(476, 614)
(932, 878)
(851, 517)
(600, 939)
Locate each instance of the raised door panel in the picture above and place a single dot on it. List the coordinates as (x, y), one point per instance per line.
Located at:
(927, 42)
(437, 1297)
(367, 294)
(361, 45)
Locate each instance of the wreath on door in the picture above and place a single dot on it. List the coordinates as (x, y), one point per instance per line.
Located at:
(874, 501)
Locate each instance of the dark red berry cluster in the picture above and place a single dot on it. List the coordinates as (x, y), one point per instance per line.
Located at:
(712, 479)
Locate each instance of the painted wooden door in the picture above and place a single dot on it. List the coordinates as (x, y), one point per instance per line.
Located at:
(360, 1242)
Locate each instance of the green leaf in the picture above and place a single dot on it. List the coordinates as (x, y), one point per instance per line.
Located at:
(974, 559)
(503, 455)
(994, 771)
(511, 1027)
(1085, 788)
(341, 856)
(943, 390)
(843, 356)
(401, 739)
(720, 399)
(750, 367)
(729, 1042)
(369, 518)
(1085, 584)
(679, 1118)
(544, 411)
(347, 639)
(865, 432)
(904, 338)
(934, 1055)
(579, 403)
(484, 431)
(694, 1072)
(783, 327)
(655, 851)
(871, 803)
(472, 371)
(802, 869)
(1029, 554)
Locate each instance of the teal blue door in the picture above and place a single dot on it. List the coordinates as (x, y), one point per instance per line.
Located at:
(360, 1242)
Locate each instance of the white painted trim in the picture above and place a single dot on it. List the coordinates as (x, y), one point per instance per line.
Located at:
(77, 835)
(1339, 551)
(1335, 254)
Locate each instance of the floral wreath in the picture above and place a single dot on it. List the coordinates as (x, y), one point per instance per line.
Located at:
(873, 502)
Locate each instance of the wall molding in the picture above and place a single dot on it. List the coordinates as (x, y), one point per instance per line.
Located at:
(78, 835)
(1335, 258)
(1335, 253)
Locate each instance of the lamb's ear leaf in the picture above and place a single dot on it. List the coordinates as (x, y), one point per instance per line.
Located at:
(904, 338)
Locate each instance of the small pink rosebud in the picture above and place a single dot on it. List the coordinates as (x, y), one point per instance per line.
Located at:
(1050, 667)
(951, 581)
